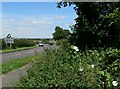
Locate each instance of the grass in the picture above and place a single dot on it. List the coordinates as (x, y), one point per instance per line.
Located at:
(15, 64)
(17, 49)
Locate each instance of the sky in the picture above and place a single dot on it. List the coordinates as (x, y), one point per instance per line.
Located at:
(34, 19)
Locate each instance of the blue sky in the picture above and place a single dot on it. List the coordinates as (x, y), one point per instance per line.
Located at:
(34, 19)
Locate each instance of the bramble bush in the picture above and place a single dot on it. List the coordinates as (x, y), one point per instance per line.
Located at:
(71, 68)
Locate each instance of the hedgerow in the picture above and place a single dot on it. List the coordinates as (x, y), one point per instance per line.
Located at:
(91, 69)
(23, 43)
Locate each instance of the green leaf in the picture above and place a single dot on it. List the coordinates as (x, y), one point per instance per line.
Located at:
(101, 72)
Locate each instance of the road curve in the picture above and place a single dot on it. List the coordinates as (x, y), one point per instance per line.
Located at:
(25, 53)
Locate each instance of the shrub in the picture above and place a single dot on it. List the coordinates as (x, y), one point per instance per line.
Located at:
(62, 42)
(72, 69)
(45, 41)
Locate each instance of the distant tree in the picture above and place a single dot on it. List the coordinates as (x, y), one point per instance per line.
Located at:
(60, 33)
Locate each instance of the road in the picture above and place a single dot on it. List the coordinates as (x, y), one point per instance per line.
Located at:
(12, 77)
(25, 53)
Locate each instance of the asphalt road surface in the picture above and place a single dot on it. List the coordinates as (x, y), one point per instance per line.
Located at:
(11, 78)
(25, 53)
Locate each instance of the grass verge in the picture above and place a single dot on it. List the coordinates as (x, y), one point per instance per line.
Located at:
(15, 64)
(17, 49)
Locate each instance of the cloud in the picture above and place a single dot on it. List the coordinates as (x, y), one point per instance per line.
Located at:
(59, 17)
(27, 32)
(34, 22)
(27, 27)
(11, 20)
(30, 22)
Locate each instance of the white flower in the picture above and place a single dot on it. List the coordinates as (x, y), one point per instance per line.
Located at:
(81, 69)
(115, 83)
(92, 66)
(75, 48)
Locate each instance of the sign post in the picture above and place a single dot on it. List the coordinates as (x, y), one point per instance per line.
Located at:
(9, 40)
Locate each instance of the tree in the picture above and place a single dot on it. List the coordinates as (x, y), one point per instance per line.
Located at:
(60, 33)
(93, 26)
(2, 44)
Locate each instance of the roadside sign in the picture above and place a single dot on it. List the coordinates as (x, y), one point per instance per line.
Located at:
(9, 40)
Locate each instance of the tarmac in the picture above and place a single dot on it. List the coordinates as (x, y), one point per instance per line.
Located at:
(9, 79)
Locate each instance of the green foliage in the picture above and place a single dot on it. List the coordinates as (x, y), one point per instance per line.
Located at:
(36, 42)
(15, 64)
(3, 44)
(45, 41)
(97, 24)
(24, 43)
(67, 68)
(60, 33)
(18, 43)
(113, 28)
(62, 42)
